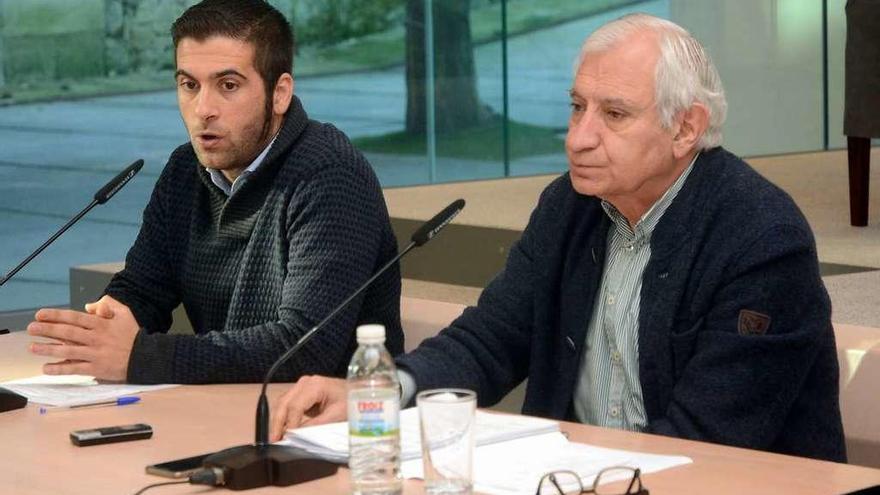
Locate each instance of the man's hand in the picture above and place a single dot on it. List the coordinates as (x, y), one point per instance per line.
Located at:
(96, 343)
(312, 400)
(104, 307)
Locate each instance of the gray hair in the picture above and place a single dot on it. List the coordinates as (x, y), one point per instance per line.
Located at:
(684, 72)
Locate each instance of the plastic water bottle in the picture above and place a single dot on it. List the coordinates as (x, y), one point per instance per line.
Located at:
(373, 416)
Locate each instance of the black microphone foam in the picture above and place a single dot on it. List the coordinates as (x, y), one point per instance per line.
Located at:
(105, 193)
(434, 225)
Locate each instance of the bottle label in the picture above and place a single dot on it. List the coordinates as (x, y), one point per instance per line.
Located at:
(373, 417)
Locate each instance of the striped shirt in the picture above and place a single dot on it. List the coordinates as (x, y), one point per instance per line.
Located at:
(609, 392)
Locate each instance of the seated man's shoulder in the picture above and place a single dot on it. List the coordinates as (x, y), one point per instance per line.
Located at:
(181, 167)
(561, 201)
(322, 146)
(561, 192)
(736, 192)
(182, 156)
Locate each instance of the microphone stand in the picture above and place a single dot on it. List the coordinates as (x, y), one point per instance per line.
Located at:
(9, 400)
(262, 463)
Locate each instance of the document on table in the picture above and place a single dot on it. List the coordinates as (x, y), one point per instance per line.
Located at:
(331, 441)
(511, 454)
(516, 466)
(71, 390)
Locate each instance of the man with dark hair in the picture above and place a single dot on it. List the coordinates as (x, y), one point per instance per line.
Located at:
(260, 226)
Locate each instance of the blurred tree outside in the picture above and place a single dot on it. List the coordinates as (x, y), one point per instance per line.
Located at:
(457, 105)
(93, 47)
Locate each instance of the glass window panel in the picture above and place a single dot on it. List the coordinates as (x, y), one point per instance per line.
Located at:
(351, 71)
(836, 48)
(769, 55)
(542, 64)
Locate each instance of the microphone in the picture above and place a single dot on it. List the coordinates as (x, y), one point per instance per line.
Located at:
(10, 400)
(264, 464)
(102, 196)
(430, 228)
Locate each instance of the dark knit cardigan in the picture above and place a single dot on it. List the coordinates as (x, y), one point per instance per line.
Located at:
(730, 241)
(257, 270)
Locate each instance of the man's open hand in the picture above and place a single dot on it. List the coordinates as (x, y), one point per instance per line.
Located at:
(96, 343)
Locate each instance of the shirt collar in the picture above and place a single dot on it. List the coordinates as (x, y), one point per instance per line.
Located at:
(645, 226)
(222, 182)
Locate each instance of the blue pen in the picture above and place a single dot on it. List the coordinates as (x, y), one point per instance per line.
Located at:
(121, 401)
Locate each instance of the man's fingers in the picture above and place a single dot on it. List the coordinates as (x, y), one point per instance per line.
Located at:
(312, 400)
(306, 394)
(68, 367)
(106, 303)
(62, 351)
(113, 303)
(61, 331)
(101, 308)
(278, 417)
(76, 318)
(287, 412)
(332, 413)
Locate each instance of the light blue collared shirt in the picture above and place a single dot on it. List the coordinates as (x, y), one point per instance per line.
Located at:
(222, 182)
(609, 392)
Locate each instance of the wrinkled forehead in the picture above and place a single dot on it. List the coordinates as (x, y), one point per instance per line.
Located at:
(625, 70)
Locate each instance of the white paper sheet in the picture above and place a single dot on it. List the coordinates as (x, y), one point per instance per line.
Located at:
(331, 441)
(515, 467)
(71, 390)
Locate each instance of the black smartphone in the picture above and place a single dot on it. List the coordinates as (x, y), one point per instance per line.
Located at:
(111, 434)
(178, 468)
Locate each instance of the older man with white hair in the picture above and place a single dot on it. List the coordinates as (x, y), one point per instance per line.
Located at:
(661, 285)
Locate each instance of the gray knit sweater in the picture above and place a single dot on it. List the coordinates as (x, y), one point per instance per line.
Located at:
(258, 269)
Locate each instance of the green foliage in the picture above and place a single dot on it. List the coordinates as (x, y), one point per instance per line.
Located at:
(332, 21)
(51, 40)
(49, 17)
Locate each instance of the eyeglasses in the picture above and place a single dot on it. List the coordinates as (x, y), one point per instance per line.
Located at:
(562, 482)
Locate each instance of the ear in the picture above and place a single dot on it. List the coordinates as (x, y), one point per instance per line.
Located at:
(693, 124)
(283, 94)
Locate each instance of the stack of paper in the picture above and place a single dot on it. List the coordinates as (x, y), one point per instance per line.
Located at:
(512, 453)
(71, 390)
(516, 467)
(331, 441)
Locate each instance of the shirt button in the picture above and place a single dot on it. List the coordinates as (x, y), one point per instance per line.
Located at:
(610, 300)
(615, 356)
(629, 247)
(614, 412)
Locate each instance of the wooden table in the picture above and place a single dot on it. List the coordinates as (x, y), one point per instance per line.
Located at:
(38, 457)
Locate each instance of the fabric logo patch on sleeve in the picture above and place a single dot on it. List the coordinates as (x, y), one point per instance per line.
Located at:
(752, 323)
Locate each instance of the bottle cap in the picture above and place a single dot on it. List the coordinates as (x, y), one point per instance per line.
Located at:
(371, 334)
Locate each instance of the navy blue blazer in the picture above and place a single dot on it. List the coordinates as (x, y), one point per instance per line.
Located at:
(735, 338)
